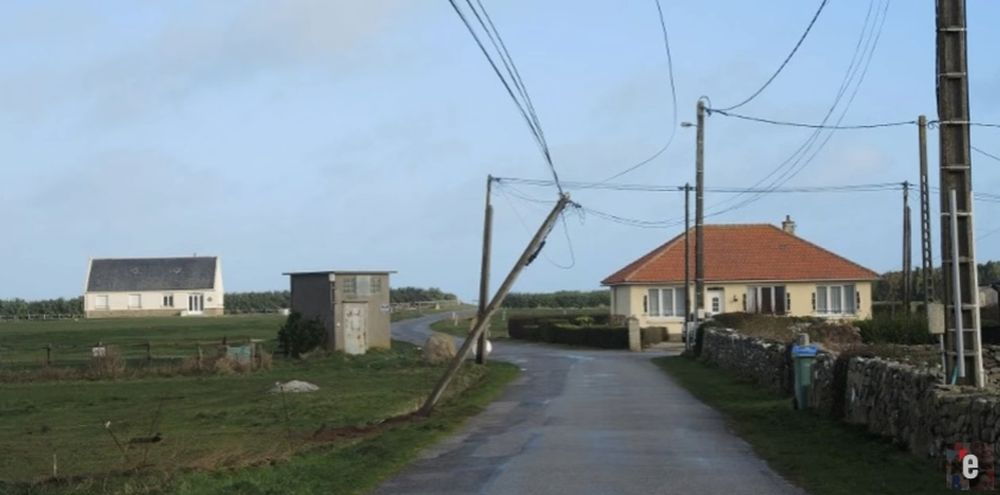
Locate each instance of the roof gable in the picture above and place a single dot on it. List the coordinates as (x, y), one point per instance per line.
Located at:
(742, 253)
(145, 274)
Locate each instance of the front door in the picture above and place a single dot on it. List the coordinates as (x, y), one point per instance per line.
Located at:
(355, 327)
(714, 302)
(196, 303)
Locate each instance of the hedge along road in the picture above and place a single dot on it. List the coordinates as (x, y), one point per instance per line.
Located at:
(586, 422)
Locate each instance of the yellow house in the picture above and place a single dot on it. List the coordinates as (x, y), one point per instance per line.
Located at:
(754, 268)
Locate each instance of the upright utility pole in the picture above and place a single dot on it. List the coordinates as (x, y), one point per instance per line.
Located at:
(956, 175)
(926, 261)
(484, 273)
(529, 254)
(907, 242)
(687, 253)
(687, 266)
(699, 221)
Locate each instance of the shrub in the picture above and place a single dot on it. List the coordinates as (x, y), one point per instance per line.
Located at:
(900, 329)
(561, 331)
(110, 365)
(298, 335)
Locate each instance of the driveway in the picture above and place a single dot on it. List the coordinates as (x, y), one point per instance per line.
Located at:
(586, 422)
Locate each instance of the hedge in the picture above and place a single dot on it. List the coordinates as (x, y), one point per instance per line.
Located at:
(564, 331)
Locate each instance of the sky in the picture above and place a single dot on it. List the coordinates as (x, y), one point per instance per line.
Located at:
(313, 134)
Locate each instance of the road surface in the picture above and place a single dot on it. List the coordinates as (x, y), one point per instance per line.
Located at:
(586, 422)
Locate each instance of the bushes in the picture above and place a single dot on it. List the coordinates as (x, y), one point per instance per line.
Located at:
(299, 336)
(559, 299)
(562, 331)
(900, 329)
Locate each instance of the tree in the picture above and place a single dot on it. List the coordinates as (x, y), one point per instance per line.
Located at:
(299, 336)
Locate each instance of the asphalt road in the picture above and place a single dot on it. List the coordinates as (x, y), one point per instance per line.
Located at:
(586, 422)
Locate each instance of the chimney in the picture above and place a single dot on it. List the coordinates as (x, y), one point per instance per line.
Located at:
(788, 225)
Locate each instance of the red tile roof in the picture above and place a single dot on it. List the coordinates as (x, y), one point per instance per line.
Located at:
(760, 252)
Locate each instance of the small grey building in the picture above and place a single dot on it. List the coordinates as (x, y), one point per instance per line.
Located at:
(352, 305)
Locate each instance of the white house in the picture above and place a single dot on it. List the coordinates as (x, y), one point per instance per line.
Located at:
(154, 287)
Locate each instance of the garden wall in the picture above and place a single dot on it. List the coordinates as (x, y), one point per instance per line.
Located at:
(765, 362)
(904, 403)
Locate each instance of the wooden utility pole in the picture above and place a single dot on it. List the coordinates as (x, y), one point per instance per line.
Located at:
(926, 261)
(699, 221)
(963, 326)
(529, 254)
(484, 273)
(907, 242)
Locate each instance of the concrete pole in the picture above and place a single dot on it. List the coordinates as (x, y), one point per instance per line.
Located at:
(484, 273)
(687, 265)
(699, 206)
(926, 261)
(907, 241)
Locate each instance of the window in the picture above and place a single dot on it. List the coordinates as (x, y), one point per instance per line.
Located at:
(101, 301)
(836, 299)
(135, 300)
(664, 302)
(768, 299)
(168, 301)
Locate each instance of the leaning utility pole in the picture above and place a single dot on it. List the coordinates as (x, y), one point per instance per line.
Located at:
(907, 242)
(530, 252)
(699, 220)
(926, 262)
(484, 273)
(963, 326)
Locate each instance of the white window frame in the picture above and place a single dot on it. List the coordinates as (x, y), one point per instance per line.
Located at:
(849, 305)
(102, 301)
(138, 298)
(659, 297)
(168, 300)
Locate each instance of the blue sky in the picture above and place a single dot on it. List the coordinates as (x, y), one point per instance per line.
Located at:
(314, 134)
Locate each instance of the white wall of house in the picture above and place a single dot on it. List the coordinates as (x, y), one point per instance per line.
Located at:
(149, 300)
(633, 300)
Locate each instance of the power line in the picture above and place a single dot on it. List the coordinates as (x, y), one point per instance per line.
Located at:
(673, 98)
(785, 62)
(520, 219)
(801, 157)
(577, 185)
(981, 152)
(812, 126)
(525, 108)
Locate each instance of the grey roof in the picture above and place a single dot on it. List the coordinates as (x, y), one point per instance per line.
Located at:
(141, 274)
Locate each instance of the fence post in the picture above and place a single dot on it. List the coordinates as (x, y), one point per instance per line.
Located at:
(48, 355)
(149, 352)
(199, 357)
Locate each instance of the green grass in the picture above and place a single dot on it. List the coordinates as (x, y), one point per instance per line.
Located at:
(822, 455)
(406, 314)
(228, 423)
(498, 322)
(22, 342)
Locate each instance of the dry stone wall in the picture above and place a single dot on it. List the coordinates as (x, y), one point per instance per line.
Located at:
(904, 403)
(762, 361)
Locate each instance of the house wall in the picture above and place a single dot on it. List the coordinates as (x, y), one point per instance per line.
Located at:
(377, 320)
(312, 297)
(151, 303)
(628, 301)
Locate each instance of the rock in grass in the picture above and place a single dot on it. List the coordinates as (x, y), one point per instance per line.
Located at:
(439, 348)
(293, 386)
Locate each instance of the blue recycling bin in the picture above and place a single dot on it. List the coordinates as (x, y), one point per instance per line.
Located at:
(803, 357)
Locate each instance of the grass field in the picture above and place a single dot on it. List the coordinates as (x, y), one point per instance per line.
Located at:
(822, 455)
(22, 343)
(210, 422)
(498, 322)
(206, 422)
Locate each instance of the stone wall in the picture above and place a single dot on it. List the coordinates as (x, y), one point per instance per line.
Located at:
(904, 403)
(764, 362)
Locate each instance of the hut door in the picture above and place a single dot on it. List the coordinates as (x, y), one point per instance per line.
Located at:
(355, 328)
